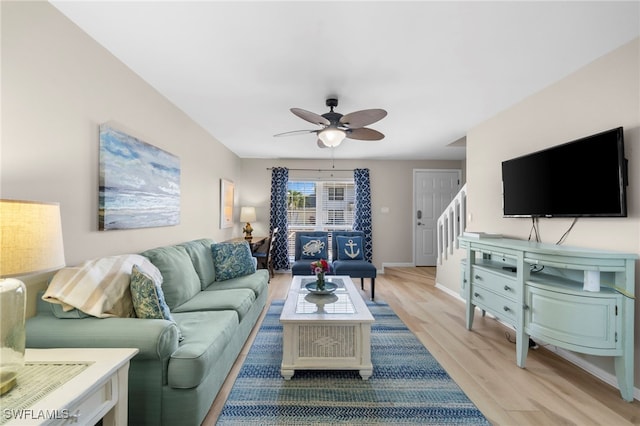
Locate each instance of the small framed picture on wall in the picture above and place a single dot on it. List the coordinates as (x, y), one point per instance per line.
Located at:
(226, 203)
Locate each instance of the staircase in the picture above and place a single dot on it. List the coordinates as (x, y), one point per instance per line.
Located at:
(451, 224)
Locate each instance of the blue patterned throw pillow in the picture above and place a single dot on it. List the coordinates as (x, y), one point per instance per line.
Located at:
(147, 295)
(148, 298)
(232, 260)
(313, 247)
(350, 248)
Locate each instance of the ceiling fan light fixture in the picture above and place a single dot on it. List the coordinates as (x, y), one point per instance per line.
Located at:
(332, 137)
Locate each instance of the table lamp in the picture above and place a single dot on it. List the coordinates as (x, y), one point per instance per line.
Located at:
(247, 214)
(30, 242)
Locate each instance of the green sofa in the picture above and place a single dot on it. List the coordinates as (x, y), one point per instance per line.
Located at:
(181, 366)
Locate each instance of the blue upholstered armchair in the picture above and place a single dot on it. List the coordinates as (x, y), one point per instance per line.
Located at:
(347, 254)
(309, 246)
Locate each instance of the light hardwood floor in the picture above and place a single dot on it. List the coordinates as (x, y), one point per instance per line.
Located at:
(550, 391)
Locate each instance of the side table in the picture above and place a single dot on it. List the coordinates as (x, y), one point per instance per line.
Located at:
(254, 242)
(70, 385)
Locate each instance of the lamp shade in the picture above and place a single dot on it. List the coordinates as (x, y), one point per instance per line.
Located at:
(332, 137)
(30, 237)
(248, 214)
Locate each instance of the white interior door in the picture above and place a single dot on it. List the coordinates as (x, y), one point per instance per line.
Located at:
(433, 191)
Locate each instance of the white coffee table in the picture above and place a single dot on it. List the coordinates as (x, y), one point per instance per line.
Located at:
(326, 332)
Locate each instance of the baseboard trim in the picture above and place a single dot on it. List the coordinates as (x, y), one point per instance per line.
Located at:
(598, 372)
(449, 292)
(574, 359)
(396, 265)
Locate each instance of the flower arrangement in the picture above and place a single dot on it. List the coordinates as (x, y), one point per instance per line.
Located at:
(320, 267)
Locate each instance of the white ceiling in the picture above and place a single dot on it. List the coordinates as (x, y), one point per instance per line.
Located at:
(438, 68)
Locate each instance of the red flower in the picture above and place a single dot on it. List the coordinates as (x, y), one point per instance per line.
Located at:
(320, 266)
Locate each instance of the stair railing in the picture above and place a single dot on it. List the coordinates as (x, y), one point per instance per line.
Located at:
(451, 224)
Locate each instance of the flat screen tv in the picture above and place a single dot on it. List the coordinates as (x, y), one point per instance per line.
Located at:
(585, 177)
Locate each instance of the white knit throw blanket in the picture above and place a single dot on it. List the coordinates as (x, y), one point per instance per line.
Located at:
(99, 287)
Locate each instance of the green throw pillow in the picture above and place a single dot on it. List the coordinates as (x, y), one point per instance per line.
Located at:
(232, 260)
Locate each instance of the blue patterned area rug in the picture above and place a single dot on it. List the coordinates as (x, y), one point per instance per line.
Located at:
(408, 386)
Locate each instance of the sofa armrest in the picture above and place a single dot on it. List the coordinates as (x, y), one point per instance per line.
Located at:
(155, 338)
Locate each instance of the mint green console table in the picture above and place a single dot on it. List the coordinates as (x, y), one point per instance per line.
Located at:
(538, 289)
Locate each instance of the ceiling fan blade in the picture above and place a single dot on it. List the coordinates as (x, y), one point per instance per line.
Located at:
(358, 119)
(295, 132)
(364, 134)
(311, 117)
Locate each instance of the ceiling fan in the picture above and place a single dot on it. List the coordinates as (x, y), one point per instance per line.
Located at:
(335, 127)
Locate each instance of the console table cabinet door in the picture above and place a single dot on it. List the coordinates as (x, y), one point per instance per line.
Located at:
(587, 324)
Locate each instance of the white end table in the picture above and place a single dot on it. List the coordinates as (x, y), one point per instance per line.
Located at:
(70, 385)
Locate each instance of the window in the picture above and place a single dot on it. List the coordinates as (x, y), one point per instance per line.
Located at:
(335, 217)
(335, 194)
(301, 204)
(319, 206)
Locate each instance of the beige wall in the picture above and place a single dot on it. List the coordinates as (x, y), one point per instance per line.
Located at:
(603, 95)
(391, 187)
(58, 86)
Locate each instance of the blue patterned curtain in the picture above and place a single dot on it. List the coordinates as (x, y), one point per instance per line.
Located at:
(362, 210)
(278, 216)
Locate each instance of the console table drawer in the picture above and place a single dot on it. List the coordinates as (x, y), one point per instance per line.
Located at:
(496, 282)
(497, 305)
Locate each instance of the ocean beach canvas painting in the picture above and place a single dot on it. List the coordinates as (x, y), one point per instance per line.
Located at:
(139, 183)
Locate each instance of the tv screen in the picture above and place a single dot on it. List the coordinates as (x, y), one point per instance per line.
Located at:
(585, 177)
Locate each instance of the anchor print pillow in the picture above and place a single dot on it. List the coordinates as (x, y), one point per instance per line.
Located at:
(350, 248)
(313, 247)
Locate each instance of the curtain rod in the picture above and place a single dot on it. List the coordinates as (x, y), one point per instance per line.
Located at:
(319, 170)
